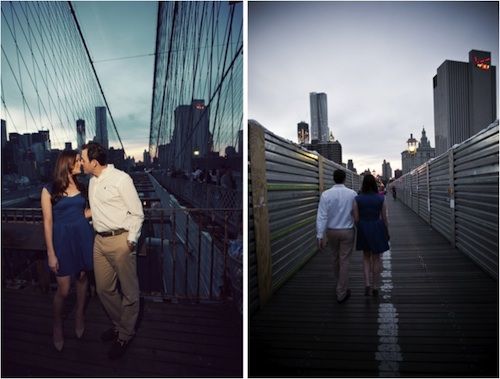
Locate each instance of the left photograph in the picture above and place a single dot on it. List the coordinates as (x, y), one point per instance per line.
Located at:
(122, 183)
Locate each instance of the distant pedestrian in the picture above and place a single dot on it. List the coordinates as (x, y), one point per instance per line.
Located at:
(227, 179)
(370, 213)
(69, 239)
(335, 218)
(394, 192)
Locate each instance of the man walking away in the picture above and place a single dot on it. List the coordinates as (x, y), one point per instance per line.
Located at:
(335, 219)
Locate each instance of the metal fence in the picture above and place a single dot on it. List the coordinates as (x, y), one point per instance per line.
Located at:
(205, 195)
(181, 255)
(285, 183)
(457, 193)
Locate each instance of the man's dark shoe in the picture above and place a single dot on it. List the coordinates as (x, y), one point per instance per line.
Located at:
(347, 296)
(117, 349)
(109, 335)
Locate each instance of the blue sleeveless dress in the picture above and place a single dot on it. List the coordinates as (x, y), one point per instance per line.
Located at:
(371, 228)
(72, 235)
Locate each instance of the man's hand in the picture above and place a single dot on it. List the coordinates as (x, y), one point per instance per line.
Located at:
(131, 245)
(321, 244)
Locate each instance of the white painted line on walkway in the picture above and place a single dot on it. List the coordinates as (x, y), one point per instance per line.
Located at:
(389, 352)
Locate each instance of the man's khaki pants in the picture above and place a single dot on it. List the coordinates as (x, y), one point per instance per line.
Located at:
(113, 261)
(341, 242)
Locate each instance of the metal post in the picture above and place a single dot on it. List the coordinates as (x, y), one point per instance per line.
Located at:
(186, 252)
(451, 194)
(199, 263)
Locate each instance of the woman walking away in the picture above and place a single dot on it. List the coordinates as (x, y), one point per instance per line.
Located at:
(370, 215)
(69, 239)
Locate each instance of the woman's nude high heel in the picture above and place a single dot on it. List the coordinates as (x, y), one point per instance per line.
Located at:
(58, 341)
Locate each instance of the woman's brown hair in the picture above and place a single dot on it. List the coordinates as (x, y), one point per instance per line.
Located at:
(64, 166)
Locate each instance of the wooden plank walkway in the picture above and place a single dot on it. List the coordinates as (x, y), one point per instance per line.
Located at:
(173, 340)
(437, 315)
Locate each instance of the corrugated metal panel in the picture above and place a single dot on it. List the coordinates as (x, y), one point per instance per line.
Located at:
(476, 199)
(253, 284)
(293, 195)
(423, 192)
(292, 176)
(439, 181)
(414, 191)
(473, 222)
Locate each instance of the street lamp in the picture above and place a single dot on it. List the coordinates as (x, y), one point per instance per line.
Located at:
(412, 145)
(196, 153)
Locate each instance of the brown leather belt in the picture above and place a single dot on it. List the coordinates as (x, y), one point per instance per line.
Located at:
(111, 233)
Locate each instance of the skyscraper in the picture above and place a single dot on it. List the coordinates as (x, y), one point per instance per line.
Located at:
(303, 132)
(386, 170)
(319, 117)
(424, 152)
(80, 133)
(191, 135)
(4, 133)
(101, 130)
(464, 99)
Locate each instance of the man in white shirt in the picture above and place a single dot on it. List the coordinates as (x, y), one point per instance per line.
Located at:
(117, 217)
(336, 220)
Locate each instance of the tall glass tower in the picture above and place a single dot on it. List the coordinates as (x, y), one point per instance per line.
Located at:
(101, 132)
(319, 117)
(80, 133)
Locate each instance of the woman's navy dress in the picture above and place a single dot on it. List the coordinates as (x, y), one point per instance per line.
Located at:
(371, 228)
(72, 235)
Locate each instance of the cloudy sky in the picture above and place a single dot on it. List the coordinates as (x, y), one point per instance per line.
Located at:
(116, 30)
(374, 60)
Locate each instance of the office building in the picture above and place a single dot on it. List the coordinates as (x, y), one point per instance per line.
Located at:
(4, 133)
(331, 150)
(80, 133)
(192, 137)
(386, 170)
(423, 153)
(101, 130)
(464, 99)
(303, 132)
(350, 165)
(319, 117)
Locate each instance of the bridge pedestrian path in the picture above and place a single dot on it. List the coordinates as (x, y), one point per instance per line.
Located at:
(436, 315)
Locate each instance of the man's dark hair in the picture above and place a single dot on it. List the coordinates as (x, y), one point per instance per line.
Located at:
(339, 176)
(96, 151)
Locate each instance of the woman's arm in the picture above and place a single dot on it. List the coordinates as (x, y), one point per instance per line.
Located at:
(88, 213)
(47, 228)
(355, 211)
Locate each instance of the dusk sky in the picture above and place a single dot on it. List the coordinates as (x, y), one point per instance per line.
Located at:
(116, 30)
(374, 60)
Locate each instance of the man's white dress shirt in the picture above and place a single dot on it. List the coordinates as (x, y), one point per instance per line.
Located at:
(115, 203)
(334, 211)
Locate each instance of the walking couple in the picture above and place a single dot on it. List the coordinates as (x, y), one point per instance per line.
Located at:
(73, 251)
(339, 209)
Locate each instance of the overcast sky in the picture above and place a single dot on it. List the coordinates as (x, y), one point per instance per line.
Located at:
(374, 60)
(123, 29)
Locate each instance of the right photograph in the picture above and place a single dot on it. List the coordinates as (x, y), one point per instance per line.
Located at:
(373, 189)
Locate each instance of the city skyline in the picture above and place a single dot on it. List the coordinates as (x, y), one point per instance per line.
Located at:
(120, 37)
(375, 61)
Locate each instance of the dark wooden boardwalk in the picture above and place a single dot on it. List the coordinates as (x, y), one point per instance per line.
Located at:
(437, 315)
(173, 340)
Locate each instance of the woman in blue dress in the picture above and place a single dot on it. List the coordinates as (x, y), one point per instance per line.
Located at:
(370, 215)
(69, 239)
